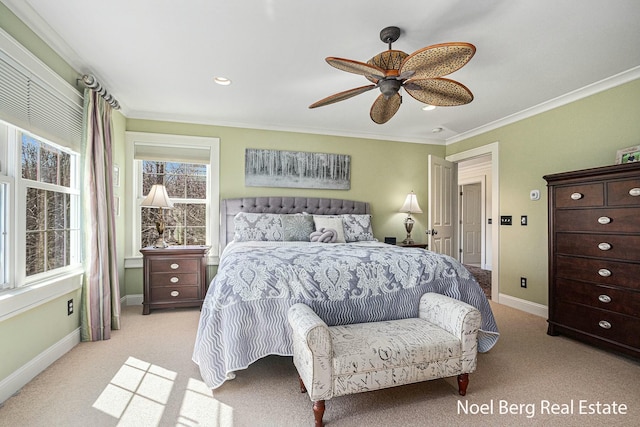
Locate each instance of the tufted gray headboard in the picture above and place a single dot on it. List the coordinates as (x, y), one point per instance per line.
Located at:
(283, 205)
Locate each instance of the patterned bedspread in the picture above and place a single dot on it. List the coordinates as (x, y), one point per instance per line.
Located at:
(244, 315)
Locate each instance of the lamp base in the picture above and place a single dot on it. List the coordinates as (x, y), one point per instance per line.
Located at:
(160, 243)
(408, 226)
(408, 240)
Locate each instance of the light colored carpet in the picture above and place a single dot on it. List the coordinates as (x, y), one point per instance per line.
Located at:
(144, 376)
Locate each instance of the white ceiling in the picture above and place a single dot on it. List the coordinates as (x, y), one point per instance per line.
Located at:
(158, 57)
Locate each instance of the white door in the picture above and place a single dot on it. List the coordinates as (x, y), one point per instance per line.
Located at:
(471, 224)
(443, 206)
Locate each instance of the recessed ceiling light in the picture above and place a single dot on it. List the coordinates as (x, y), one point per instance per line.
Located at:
(428, 107)
(437, 130)
(222, 81)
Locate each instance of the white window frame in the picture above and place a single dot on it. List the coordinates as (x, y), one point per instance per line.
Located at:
(134, 185)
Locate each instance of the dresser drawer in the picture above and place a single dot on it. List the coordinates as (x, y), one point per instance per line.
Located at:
(177, 265)
(580, 196)
(600, 271)
(601, 323)
(174, 279)
(171, 294)
(612, 299)
(621, 220)
(595, 245)
(624, 193)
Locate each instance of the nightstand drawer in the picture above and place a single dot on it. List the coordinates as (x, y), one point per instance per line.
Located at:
(166, 293)
(176, 279)
(176, 265)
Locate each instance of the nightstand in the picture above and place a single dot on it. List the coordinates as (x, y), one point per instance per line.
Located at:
(174, 277)
(413, 245)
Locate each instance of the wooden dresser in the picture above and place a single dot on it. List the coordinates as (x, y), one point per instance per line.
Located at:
(594, 256)
(174, 277)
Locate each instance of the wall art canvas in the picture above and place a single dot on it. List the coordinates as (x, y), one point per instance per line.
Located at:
(296, 169)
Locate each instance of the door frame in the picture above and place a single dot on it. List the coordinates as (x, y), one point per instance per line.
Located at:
(493, 150)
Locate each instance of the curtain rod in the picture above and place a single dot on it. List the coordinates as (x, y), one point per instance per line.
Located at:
(90, 81)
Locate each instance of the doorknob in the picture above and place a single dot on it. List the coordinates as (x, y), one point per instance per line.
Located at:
(431, 232)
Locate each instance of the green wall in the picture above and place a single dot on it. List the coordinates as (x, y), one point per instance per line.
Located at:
(583, 134)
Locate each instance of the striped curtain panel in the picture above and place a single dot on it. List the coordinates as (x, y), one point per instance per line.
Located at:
(100, 302)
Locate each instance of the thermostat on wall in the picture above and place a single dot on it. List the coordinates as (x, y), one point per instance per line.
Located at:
(534, 195)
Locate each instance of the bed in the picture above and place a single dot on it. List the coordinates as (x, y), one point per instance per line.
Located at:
(268, 263)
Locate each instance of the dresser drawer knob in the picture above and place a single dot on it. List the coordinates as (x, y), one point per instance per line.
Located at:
(635, 192)
(604, 272)
(604, 246)
(175, 266)
(174, 279)
(604, 324)
(175, 293)
(604, 220)
(576, 196)
(604, 298)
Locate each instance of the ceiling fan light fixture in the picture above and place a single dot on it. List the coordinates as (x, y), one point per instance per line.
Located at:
(428, 107)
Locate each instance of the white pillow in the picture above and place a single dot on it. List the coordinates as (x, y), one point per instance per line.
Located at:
(333, 222)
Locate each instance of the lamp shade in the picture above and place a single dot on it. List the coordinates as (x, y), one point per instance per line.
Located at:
(157, 198)
(411, 204)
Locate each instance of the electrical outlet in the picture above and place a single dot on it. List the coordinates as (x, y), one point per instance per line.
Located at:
(69, 307)
(523, 282)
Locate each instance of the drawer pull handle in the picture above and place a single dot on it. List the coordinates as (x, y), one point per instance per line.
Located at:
(576, 196)
(604, 298)
(604, 220)
(635, 192)
(174, 279)
(604, 272)
(604, 246)
(604, 324)
(175, 293)
(175, 266)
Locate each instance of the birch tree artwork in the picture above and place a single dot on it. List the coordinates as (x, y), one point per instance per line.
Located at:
(296, 169)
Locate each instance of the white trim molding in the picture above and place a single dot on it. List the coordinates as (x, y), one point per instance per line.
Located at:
(524, 305)
(21, 376)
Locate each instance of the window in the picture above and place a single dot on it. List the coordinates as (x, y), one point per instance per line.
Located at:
(42, 189)
(186, 185)
(51, 205)
(189, 168)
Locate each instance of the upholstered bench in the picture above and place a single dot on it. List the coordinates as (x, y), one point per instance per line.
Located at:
(339, 360)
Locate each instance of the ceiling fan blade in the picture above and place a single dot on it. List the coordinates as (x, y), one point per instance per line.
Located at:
(341, 96)
(438, 60)
(356, 67)
(384, 108)
(440, 92)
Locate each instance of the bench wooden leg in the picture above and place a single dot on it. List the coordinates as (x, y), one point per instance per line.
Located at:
(318, 412)
(303, 389)
(463, 382)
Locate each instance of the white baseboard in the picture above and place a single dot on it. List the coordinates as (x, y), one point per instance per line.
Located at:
(18, 379)
(524, 305)
(133, 299)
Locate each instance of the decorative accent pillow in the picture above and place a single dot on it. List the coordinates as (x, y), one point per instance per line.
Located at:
(257, 227)
(334, 222)
(357, 228)
(324, 235)
(297, 227)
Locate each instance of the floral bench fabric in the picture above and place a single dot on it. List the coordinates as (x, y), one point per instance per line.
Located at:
(340, 360)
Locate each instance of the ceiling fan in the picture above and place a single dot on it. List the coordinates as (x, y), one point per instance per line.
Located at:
(420, 74)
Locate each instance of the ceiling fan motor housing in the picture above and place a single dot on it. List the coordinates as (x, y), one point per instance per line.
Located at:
(389, 87)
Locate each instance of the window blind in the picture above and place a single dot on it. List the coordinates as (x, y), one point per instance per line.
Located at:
(32, 99)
